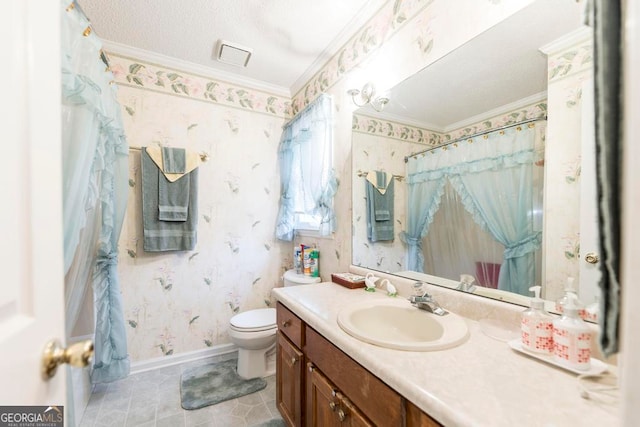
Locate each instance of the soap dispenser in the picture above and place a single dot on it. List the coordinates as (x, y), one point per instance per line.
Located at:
(537, 326)
(570, 292)
(572, 338)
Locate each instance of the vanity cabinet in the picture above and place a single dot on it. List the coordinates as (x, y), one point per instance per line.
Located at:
(326, 406)
(289, 367)
(317, 384)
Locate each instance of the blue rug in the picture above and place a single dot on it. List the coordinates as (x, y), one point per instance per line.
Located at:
(213, 383)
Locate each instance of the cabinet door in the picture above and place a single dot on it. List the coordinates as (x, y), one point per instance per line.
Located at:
(349, 415)
(322, 400)
(328, 407)
(381, 404)
(289, 381)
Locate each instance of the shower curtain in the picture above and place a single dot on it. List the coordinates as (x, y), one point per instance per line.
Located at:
(95, 170)
(493, 176)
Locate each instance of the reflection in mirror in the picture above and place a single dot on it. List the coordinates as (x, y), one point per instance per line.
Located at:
(495, 80)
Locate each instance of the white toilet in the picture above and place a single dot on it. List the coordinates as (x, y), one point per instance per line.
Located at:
(254, 332)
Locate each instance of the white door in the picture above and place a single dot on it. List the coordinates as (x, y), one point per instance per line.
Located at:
(589, 256)
(31, 292)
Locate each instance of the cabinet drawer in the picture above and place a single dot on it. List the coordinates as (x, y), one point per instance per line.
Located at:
(290, 325)
(381, 404)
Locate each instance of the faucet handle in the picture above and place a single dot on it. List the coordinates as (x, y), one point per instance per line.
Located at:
(418, 288)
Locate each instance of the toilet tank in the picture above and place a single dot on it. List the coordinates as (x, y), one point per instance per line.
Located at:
(291, 278)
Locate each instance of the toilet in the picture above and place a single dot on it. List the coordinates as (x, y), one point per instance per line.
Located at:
(254, 332)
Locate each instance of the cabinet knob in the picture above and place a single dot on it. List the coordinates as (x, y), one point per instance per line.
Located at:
(294, 360)
(286, 323)
(341, 415)
(311, 368)
(592, 258)
(332, 406)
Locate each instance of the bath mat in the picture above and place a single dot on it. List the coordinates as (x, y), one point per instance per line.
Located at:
(213, 383)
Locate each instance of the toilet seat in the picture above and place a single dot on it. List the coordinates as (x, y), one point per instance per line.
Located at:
(261, 319)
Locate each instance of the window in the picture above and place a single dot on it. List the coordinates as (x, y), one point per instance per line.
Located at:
(307, 179)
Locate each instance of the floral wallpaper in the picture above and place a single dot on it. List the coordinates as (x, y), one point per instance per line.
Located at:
(178, 302)
(132, 73)
(181, 302)
(394, 130)
(380, 144)
(400, 40)
(568, 69)
(392, 17)
(373, 152)
(534, 111)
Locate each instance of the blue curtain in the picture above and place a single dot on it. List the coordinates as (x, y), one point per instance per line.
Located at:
(494, 176)
(424, 196)
(95, 171)
(307, 179)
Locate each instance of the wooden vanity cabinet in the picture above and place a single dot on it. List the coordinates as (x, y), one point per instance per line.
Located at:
(326, 406)
(319, 385)
(289, 381)
(379, 402)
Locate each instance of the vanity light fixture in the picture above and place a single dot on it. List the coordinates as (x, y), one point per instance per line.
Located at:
(368, 96)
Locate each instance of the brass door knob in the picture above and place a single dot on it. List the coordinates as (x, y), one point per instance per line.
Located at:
(54, 354)
(341, 415)
(592, 258)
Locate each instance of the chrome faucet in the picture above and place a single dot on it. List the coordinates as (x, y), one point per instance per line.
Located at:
(427, 303)
(466, 283)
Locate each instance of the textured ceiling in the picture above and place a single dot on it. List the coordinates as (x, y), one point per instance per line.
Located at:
(287, 36)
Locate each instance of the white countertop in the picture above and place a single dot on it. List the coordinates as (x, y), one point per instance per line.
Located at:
(482, 382)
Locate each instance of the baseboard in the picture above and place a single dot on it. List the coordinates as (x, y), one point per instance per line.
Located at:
(176, 359)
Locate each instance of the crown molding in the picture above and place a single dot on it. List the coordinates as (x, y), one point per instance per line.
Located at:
(401, 120)
(368, 11)
(503, 109)
(579, 35)
(119, 49)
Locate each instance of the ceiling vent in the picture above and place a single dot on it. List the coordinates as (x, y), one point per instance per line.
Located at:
(233, 53)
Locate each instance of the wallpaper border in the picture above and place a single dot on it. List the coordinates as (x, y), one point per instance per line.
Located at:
(158, 78)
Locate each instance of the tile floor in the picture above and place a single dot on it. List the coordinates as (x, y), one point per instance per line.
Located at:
(153, 399)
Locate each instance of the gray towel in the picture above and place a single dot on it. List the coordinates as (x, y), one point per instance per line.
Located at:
(380, 201)
(159, 235)
(174, 160)
(173, 197)
(379, 230)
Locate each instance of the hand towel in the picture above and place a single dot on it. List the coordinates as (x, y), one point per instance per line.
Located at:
(174, 160)
(193, 161)
(380, 199)
(159, 235)
(173, 197)
(383, 229)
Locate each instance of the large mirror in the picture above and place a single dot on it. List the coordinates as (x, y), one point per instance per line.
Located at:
(496, 79)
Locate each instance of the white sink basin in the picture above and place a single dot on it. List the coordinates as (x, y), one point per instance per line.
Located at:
(398, 325)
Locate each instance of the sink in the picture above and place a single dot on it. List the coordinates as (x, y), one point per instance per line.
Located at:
(398, 325)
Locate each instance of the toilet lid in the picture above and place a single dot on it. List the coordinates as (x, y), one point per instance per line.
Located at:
(261, 318)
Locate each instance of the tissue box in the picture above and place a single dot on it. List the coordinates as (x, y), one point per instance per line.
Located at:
(348, 280)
